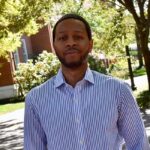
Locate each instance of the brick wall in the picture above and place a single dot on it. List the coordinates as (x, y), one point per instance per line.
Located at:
(6, 77)
(41, 41)
(35, 45)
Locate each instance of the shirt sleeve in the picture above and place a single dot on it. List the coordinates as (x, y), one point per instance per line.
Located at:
(130, 124)
(34, 136)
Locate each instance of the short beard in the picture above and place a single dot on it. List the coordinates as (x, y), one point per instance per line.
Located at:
(73, 65)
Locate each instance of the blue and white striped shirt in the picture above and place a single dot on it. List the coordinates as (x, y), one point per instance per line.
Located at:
(94, 115)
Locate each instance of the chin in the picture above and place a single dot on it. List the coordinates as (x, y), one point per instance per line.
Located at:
(72, 64)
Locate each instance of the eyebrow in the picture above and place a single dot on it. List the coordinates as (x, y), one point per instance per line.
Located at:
(78, 31)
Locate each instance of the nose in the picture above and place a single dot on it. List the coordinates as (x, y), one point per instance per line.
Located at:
(70, 42)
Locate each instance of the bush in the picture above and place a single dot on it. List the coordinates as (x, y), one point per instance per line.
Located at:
(143, 100)
(29, 75)
(33, 73)
(119, 69)
(96, 64)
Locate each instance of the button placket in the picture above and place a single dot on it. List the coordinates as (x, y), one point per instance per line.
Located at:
(77, 120)
(77, 115)
(81, 141)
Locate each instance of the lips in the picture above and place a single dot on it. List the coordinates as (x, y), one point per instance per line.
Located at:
(71, 51)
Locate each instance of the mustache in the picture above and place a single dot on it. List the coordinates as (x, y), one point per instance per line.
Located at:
(71, 49)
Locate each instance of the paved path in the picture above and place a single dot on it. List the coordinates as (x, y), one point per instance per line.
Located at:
(11, 125)
(11, 131)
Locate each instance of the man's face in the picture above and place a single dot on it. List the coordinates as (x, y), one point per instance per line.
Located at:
(71, 43)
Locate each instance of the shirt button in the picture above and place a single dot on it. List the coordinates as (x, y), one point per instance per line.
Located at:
(82, 141)
(76, 100)
(77, 120)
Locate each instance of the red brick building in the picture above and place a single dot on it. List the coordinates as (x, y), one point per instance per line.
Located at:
(31, 47)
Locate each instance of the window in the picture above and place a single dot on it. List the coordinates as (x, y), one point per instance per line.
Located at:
(24, 50)
(16, 58)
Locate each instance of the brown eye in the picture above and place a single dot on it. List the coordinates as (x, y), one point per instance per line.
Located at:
(62, 38)
(78, 37)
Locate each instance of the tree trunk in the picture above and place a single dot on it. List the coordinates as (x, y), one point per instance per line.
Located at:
(142, 19)
(147, 66)
(143, 36)
(140, 57)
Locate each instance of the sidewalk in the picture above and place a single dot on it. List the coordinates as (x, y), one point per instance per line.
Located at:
(140, 82)
(11, 130)
(11, 124)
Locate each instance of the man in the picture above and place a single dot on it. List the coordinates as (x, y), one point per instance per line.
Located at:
(80, 109)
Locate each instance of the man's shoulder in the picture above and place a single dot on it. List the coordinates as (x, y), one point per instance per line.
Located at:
(110, 83)
(42, 88)
(103, 78)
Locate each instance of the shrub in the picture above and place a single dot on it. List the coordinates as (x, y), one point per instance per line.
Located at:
(143, 100)
(33, 73)
(119, 69)
(29, 75)
(96, 64)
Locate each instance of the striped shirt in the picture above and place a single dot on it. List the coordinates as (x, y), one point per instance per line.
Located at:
(97, 114)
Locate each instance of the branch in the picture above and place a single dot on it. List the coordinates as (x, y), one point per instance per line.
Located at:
(81, 4)
(2, 6)
(121, 2)
(144, 1)
(148, 11)
(141, 8)
(129, 5)
(114, 3)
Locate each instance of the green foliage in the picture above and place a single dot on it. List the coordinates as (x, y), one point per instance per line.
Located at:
(19, 17)
(10, 107)
(143, 100)
(29, 75)
(96, 64)
(110, 26)
(119, 68)
(9, 44)
(33, 73)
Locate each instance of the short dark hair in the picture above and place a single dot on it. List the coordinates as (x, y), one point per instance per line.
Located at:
(77, 17)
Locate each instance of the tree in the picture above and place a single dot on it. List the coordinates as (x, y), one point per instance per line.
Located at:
(140, 10)
(140, 57)
(108, 23)
(19, 17)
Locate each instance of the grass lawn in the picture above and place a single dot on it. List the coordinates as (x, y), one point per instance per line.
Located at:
(139, 72)
(6, 108)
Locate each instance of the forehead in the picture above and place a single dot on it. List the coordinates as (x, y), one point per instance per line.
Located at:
(70, 25)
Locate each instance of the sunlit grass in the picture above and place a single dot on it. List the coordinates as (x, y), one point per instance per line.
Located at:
(139, 72)
(6, 108)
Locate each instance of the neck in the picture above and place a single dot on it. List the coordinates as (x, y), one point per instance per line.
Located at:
(72, 76)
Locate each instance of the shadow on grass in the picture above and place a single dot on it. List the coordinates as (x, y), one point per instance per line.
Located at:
(143, 100)
(11, 100)
(11, 135)
(146, 120)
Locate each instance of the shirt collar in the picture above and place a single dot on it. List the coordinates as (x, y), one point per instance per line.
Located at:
(89, 76)
(59, 80)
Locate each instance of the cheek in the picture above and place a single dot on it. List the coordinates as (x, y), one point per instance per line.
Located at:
(86, 45)
(83, 44)
(56, 46)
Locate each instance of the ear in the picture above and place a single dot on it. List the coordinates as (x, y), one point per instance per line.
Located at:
(52, 45)
(90, 45)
